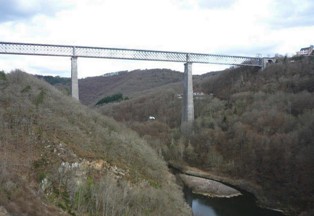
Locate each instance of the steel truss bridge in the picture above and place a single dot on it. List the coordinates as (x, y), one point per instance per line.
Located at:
(128, 54)
(133, 54)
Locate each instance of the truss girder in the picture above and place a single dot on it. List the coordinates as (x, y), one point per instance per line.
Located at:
(128, 54)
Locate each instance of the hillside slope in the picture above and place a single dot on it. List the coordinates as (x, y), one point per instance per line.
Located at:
(61, 158)
(130, 84)
(252, 126)
(259, 127)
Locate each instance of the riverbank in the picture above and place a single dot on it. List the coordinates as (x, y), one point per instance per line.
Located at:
(207, 187)
(241, 184)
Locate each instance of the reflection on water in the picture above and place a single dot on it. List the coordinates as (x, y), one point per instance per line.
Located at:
(237, 206)
(199, 208)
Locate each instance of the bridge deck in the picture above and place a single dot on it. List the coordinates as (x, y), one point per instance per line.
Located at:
(129, 54)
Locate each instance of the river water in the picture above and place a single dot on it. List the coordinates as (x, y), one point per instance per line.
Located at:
(244, 205)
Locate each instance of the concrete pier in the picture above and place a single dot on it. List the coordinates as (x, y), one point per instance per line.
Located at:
(75, 90)
(187, 102)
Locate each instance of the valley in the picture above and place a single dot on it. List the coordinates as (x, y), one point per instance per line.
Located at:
(253, 129)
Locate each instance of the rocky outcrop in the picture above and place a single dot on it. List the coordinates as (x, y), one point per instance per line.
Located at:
(3, 211)
(238, 183)
(208, 187)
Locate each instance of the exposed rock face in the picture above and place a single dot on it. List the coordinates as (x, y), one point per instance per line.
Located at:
(74, 175)
(208, 187)
(3, 211)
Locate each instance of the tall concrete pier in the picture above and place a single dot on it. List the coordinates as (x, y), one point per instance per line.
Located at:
(187, 102)
(75, 90)
(131, 54)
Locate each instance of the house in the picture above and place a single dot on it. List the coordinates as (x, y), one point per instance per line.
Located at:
(196, 95)
(306, 51)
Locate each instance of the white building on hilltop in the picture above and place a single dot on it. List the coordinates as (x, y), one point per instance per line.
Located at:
(306, 51)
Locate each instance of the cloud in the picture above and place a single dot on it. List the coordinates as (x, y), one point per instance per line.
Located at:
(14, 10)
(292, 13)
(231, 27)
(216, 4)
(48, 71)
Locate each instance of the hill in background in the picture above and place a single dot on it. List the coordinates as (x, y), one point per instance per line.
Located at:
(130, 84)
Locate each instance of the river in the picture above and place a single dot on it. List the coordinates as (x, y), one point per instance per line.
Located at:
(244, 205)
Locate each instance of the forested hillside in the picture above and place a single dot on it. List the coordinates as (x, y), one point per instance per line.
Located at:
(58, 157)
(251, 125)
(259, 126)
(130, 84)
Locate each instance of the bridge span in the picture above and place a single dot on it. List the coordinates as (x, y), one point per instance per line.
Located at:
(188, 58)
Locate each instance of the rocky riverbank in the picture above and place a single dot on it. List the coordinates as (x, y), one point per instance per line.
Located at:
(238, 183)
(208, 187)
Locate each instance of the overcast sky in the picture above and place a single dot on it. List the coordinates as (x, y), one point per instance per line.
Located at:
(231, 27)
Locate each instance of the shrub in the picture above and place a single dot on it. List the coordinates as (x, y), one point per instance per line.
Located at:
(2, 76)
(110, 99)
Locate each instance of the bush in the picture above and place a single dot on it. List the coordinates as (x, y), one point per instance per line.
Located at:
(2, 76)
(110, 99)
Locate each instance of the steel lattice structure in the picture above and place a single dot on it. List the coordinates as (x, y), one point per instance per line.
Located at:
(128, 54)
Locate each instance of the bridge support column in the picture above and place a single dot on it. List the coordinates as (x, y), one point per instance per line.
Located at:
(75, 89)
(187, 102)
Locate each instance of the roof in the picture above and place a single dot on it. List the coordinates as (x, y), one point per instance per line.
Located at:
(306, 48)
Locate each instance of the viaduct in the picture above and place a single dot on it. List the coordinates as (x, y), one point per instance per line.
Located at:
(75, 52)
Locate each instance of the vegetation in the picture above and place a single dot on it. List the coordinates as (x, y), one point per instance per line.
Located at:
(63, 84)
(55, 80)
(258, 127)
(58, 157)
(110, 99)
(2, 75)
(131, 84)
(252, 125)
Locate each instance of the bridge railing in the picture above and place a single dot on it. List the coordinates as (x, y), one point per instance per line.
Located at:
(128, 54)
